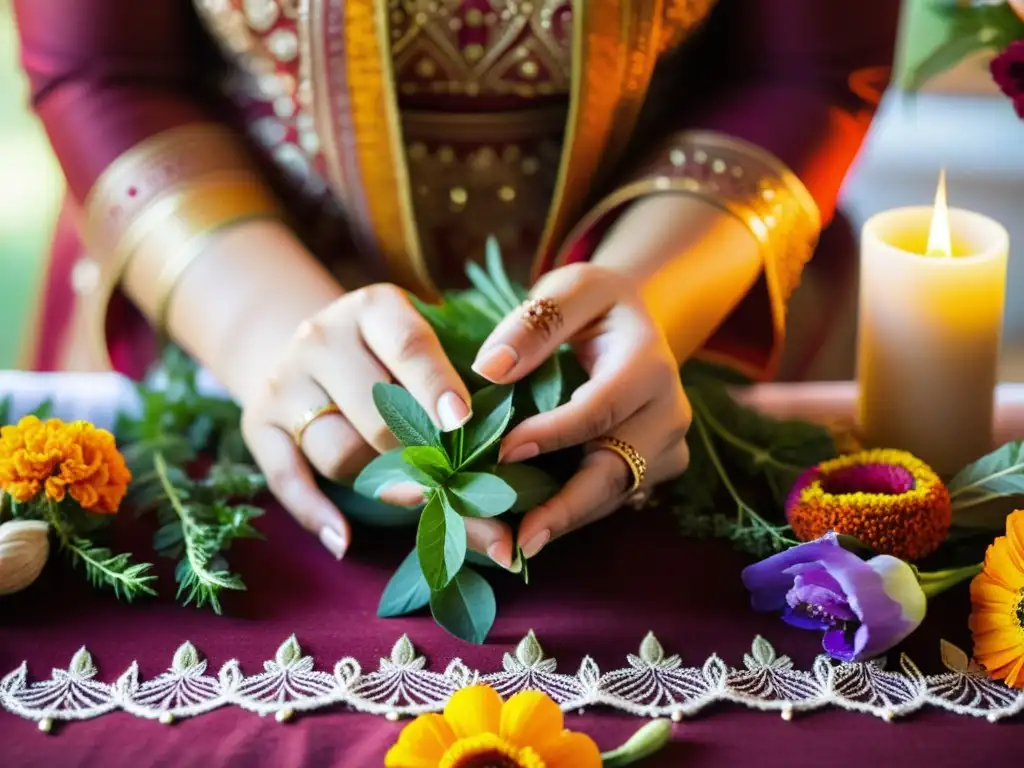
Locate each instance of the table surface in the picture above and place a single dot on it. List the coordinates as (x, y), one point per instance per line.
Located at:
(594, 594)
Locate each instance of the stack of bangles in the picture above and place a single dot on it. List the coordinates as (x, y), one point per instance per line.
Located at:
(173, 194)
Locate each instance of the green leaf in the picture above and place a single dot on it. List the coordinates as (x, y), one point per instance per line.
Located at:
(466, 607)
(431, 461)
(481, 495)
(496, 271)
(482, 282)
(440, 541)
(995, 475)
(404, 416)
(103, 568)
(492, 412)
(386, 470)
(5, 411)
(532, 486)
(546, 385)
(406, 591)
(43, 411)
(948, 55)
(169, 537)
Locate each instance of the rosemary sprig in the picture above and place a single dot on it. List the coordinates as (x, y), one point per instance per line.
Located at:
(200, 515)
(102, 567)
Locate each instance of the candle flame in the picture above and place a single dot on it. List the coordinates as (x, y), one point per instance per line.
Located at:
(939, 238)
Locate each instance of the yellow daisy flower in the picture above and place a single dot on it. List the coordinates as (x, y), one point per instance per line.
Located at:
(477, 729)
(997, 594)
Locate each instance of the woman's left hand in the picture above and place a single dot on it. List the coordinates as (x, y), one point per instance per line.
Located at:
(634, 394)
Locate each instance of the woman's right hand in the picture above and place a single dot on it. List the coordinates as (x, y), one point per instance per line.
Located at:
(336, 356)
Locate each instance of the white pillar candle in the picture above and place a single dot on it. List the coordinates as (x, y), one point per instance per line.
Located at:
(930, 325)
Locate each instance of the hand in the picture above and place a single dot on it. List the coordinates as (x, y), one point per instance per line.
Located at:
(634, 394)
(329, 367)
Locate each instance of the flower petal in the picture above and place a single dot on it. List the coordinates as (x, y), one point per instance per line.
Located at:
(421, 744)
(531, 719)
(570, 750)
(992, 594)
(889, 601)
(1015, 537)
(473, 710)
(769, 580)
(1000, 565)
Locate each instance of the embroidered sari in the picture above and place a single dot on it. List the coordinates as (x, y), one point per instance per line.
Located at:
(400, 134)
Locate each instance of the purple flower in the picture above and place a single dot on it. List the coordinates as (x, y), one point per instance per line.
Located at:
(864, 607)
(1008, 72)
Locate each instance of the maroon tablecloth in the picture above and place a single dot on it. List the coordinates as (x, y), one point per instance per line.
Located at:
(595, 593)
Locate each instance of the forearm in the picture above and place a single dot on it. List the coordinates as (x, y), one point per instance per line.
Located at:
(694, 263)
(235, 307)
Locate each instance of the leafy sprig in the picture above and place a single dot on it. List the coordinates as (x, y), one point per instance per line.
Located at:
(970, 29)
(200, 514)
(741, 461)
(103, 568)
(461, 479)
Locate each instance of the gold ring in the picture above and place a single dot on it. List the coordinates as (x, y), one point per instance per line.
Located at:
(308, 418)
(636, 463)
(541, 315)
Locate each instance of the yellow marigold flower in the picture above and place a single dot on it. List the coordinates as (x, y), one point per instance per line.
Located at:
(477, 730)
(890, 500)
(59, 459)
(997, 594)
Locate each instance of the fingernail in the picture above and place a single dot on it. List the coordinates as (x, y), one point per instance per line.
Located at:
(403, 495)
(520, 453)
(536, 544)
(334, 542)
(496, 363)
(452, 411)
(497, 552)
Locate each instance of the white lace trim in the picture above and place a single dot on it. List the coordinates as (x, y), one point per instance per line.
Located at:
(651, 685)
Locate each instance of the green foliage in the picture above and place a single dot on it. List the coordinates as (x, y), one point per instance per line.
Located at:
(199, 515)
(971, 28)
(466, 607)
(744, 462)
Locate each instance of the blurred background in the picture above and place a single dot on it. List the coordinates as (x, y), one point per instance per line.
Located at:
(960, 123)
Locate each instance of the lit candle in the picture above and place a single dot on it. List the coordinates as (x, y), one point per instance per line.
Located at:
(933, 283)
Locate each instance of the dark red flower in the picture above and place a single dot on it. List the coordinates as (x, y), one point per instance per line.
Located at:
(1008, 72)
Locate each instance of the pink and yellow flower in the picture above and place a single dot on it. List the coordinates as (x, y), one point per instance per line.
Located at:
(889, 500)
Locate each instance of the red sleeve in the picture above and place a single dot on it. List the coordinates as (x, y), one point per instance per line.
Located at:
(798, 78)
(765, 114)
(107, 74)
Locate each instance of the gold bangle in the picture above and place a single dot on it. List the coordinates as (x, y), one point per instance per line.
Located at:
(143, 174)
(173, 270)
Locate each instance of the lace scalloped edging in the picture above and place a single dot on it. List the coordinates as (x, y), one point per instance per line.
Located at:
(652, 684)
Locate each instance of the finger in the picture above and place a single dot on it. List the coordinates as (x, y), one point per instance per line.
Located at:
(608, 399)
(403, 495)
(604, 480)
(562, 304)
(408, 347)
(490, 537)
(291, 481)
(347, 374)
(329, 441)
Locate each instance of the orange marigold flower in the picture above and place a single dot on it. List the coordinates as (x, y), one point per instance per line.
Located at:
(997, 594)
(59, 459)
(889, 500)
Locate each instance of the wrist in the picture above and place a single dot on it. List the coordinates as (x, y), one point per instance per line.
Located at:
(237, 308)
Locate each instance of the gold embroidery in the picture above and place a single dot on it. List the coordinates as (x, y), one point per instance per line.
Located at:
(480, 175)
(613, 61)
(514, 48)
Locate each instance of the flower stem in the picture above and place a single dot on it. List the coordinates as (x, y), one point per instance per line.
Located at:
(760, 455)
(937, 582)
(651, 738)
